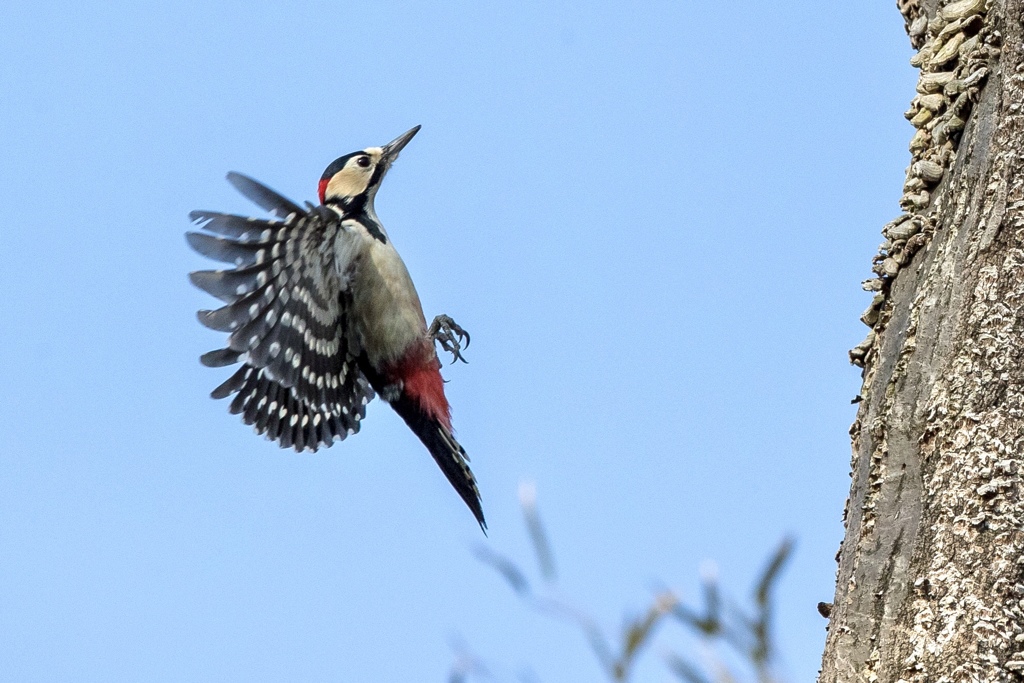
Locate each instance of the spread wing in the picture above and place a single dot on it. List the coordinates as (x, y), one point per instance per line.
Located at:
(285, 316)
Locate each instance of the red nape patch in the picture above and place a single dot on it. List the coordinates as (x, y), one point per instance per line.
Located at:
(421, 378)
(323, 188)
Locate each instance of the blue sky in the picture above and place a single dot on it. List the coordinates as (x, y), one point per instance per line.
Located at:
(652, 218)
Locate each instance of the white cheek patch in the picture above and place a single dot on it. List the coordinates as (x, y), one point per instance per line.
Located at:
(348, 182)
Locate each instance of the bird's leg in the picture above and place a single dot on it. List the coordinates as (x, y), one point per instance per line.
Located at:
(449, 335)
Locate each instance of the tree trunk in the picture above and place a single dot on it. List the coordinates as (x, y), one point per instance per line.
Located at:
(931, 573)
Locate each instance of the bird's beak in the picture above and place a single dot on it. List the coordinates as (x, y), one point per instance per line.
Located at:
(392, 149)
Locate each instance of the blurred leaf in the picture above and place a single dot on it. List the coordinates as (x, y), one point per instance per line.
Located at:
(712, 608)
(771, 572)
(636, 635)
(684, 670)
(689, 617)
(585, 623)
(762, 651)
(639, 632)
(466, 665)
(506, 567)
(709, 625)
(641, 629)
(541, 546)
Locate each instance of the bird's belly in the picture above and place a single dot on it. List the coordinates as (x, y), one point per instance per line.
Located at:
(390, 313)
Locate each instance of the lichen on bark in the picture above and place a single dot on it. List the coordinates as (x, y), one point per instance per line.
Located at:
(931, 572)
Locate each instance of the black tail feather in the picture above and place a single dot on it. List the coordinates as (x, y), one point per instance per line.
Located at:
(448, 453)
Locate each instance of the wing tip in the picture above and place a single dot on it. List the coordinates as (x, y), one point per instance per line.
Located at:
(200, 242)
(218, 358)
(218, 320)
(265, 197)
(234, 177)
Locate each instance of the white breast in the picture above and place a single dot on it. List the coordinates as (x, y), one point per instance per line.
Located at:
(386, 309)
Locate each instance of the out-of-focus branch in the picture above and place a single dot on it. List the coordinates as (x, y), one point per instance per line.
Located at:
(749, 636)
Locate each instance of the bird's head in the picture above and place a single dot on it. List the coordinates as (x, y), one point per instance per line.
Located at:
(352, 181)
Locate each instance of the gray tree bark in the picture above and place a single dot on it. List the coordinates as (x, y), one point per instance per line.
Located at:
(930, 584)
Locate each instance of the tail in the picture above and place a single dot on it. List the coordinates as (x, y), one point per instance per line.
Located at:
(449, 455)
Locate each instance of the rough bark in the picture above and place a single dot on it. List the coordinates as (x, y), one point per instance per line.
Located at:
(930, 584)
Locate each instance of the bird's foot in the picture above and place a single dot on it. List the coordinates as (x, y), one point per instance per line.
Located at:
(449, 335)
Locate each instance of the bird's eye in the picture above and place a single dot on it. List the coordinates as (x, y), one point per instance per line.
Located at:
(363, 161)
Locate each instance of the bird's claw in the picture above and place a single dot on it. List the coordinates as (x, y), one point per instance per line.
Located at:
(450, 336)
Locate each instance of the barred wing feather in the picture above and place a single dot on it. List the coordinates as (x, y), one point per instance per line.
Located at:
(285, 316)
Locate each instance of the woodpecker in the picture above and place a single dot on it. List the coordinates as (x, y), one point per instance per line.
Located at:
(322, 315)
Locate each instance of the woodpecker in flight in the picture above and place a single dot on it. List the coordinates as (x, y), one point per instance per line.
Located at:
(322, 314)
